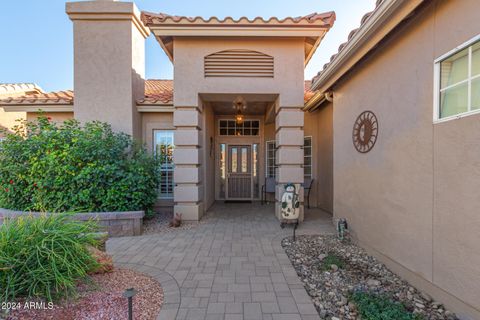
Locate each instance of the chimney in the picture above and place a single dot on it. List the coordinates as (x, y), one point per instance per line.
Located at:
(109, 62)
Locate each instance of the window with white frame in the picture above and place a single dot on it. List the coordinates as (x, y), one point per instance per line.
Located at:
(307, 157)
(232, 128)
(271, 161)
(457, 77)
(163, 148)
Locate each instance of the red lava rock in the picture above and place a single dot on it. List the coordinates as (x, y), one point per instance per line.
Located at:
(104, 300)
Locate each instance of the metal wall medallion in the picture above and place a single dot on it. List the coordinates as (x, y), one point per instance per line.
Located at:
(365, 131)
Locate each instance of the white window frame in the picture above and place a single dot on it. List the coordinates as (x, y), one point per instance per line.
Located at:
(436, 81)
(310, 156)
(267, 167)
(171, 169)
(240, 127)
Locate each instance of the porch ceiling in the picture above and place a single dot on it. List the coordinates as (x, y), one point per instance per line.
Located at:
(226, 108)
(257, 104)
(312, 28)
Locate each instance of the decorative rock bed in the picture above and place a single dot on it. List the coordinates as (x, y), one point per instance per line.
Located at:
(330, 286)
(117, 224)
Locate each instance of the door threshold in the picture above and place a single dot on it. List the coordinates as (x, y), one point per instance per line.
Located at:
(238, 201)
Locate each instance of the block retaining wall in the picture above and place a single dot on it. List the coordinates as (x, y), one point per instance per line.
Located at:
(117, 224)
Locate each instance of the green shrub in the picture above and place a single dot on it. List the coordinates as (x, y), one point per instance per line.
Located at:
(373, 306)
(67, 167)
(44, 256)
(330, 259)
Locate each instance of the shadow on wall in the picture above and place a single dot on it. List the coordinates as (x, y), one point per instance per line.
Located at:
(138, 92)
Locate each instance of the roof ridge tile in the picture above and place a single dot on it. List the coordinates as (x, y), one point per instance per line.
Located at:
(150, 18)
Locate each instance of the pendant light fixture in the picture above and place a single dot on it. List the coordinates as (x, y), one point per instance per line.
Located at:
(239, 104)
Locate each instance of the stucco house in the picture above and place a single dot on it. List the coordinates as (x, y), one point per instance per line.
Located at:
(388, 131)
(14, 90)
(237, 96)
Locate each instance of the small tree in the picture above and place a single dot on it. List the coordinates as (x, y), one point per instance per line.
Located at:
(68, 167)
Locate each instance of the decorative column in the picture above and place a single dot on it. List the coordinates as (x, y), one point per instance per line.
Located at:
(289, 155)
(188, 193)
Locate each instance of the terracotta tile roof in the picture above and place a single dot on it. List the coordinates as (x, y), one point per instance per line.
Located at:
(58, 97)
(18, 89)
(156, 92)
(150, 18)
(350, 36)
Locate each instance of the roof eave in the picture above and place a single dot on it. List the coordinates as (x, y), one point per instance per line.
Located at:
(314, 48)
(382, 21)
(165, 27)
(317, 32)
(155, 107)
(36, 107)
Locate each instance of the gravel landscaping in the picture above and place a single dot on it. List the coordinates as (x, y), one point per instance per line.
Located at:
(103, 299)
(332, 270)
(160, 224)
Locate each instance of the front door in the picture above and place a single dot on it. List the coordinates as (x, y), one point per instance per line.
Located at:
(239, 172)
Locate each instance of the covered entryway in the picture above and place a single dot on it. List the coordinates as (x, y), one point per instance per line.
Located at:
(239, 141)
(262, 61)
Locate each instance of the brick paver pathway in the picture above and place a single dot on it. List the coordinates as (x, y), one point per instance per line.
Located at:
(230, 267)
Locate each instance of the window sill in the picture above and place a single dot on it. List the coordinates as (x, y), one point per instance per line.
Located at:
(456, 117)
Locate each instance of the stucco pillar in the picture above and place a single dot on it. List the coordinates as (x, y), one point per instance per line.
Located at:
(289, 155)
(109, 62)
(188, 194)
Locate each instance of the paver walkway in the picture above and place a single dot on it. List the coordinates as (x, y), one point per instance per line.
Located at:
(230, 267)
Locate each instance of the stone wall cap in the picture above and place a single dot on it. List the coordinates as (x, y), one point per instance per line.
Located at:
(116, 215)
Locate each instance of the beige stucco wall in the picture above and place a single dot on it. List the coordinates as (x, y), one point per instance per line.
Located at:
(269, 130)
(209, 149)
(319, 125)
(413, 200)
(9, 119)
(189, 73)
(155, 121)
(58, 117)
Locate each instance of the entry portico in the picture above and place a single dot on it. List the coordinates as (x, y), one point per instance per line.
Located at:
(261, 62)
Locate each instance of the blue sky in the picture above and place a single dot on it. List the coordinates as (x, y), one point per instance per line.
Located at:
(36, 42)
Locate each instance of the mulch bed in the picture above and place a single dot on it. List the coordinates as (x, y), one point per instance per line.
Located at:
(103, 299)
(330, 286)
